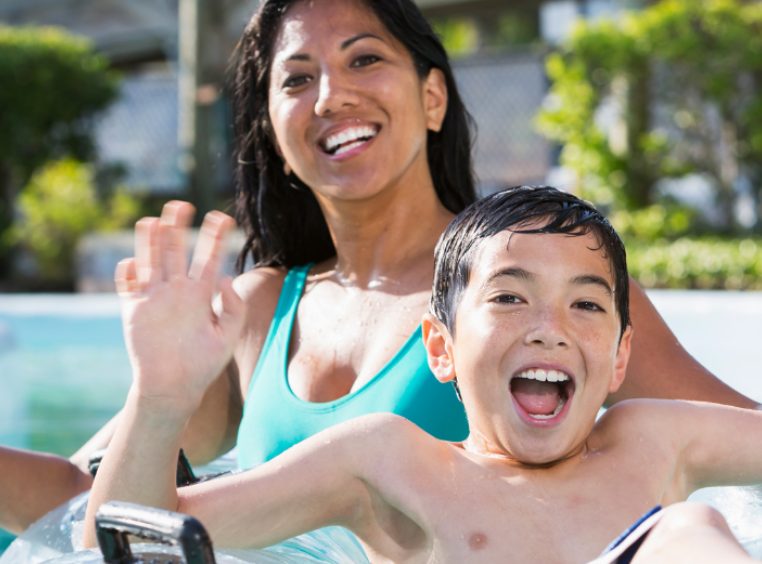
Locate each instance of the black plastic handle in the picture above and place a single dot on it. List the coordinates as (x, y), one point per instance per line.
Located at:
(116, 520)
(184, 475)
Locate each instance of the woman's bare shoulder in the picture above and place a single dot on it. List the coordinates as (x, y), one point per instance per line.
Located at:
(260, 283)
(259, 288)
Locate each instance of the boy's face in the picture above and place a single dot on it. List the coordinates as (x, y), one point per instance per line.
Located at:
(536, 346)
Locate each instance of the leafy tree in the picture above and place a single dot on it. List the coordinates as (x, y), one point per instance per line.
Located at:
(52, 83)
(58, 206)
(672, 90)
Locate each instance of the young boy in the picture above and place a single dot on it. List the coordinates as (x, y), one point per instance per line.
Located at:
(530, 320)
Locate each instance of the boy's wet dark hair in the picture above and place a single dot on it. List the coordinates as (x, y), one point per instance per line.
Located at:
(283, 223)
(555, 211)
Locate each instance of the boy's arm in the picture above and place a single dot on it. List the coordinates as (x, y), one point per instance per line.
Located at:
(723, 444)
(660, 367)
(313, 484)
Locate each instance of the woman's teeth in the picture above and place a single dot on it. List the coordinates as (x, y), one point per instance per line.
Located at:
(348, 139)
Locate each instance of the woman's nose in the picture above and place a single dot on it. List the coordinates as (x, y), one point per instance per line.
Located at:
(335, 93)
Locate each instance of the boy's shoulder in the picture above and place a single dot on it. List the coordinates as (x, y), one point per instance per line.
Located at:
(389, 428)
(648, 417)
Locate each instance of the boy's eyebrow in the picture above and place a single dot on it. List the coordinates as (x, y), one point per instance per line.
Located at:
(584, 279)
(513, 271)
(344, 44)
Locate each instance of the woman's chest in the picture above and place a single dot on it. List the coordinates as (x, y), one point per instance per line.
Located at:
(338, 346)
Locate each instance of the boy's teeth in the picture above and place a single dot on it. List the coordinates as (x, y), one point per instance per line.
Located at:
(543, 375)
(354, 134)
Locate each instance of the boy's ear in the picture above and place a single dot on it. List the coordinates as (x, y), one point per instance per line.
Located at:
(622, 358)
(438, 343)
(435, 99)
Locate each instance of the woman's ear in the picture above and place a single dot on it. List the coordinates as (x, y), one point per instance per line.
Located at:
(435, 99)
(438, 344)
(622, 358)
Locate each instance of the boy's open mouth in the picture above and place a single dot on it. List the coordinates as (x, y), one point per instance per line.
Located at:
(541, 394)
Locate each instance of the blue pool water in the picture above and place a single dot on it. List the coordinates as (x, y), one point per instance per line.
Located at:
(64, 371)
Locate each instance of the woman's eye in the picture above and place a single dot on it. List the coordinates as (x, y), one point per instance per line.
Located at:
(588, 306)
(296, 80)
(365, 60)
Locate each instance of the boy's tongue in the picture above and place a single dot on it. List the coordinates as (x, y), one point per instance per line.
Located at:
(535, 397)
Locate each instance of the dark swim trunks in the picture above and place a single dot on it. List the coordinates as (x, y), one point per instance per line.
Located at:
(624, 547)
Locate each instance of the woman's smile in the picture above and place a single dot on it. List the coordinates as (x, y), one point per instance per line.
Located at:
(348, 108)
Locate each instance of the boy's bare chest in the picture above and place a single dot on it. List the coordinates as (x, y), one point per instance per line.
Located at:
(527, 520)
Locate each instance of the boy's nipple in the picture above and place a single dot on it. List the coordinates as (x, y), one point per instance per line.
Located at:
(477, 541)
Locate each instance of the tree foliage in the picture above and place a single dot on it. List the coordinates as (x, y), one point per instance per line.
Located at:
(52, 84)
(57, 207)
(672, 90)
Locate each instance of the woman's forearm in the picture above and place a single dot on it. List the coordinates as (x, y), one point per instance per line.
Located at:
(140, 463)
(34, 484)
(660, 367)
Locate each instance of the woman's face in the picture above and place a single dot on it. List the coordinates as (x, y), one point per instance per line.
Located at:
(349, 111)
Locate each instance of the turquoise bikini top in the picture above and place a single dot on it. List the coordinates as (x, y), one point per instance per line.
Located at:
(274, 418)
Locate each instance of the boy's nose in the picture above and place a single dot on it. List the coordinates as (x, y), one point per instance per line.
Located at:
(547, 331)
(334, 94)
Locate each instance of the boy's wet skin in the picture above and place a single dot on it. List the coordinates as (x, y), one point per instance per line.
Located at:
(538, 480)
(537, 308)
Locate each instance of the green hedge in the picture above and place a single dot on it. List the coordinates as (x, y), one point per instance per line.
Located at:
(697, 263)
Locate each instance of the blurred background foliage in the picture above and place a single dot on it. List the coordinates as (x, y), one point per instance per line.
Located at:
(53, 85)
(59, 205)
(664, 95)
(658, 114)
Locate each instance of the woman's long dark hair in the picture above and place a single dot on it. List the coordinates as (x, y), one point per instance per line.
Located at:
(283, 222)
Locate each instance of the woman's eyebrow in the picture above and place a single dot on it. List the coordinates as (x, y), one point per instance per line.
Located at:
(347, 42)
(344, 44)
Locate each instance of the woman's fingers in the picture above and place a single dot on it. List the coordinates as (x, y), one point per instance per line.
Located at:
(209, 248)
(147, 251)
(125, 277)
(175, 219)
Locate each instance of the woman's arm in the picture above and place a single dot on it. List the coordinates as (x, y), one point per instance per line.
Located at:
(661, 368)
(722, 444)
(177, 345)
(35, 483)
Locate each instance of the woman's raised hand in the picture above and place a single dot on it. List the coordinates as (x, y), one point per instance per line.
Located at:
(177, 342)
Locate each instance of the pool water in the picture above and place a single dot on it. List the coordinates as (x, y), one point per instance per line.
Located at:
(64, 371)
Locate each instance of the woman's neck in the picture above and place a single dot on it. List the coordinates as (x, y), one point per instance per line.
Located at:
(380, 242)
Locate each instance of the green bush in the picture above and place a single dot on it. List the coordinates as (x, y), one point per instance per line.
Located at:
(697, 263)
(51, 83)
(57, 207)
(680, 84)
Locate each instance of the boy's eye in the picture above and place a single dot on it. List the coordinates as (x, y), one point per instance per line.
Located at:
(294, 81)
(365, 60)
(588, 306)
(506, 299)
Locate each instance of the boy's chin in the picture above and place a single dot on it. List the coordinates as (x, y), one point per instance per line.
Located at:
(546, 455)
